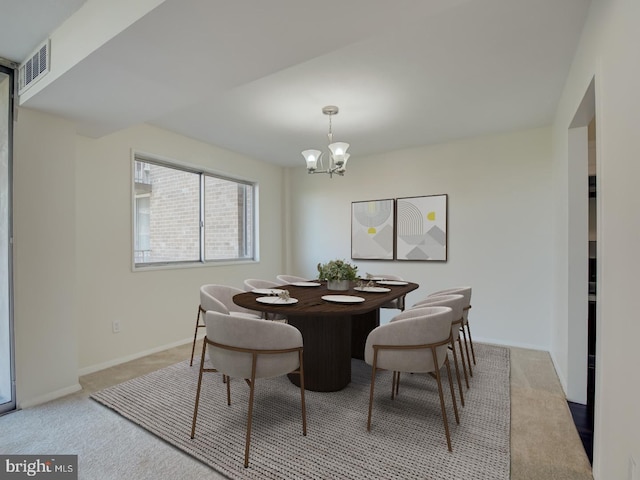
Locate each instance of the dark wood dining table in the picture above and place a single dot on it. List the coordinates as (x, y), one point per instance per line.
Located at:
(332, 332)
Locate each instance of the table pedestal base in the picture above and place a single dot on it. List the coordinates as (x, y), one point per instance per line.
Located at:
(329, 344)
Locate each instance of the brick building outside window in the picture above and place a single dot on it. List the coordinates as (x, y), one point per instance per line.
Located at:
(183, 215)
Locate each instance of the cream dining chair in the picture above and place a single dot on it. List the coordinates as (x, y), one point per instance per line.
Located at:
(456, 303)
(218, 298)
(287, 279)
(254, 283)
(464, 329)
(417, 344)
(250, 349)
(396, 303)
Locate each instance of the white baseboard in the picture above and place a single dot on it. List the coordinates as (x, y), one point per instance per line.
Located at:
(32, 402)
(561, 377)
(134, 356)
(502, 343)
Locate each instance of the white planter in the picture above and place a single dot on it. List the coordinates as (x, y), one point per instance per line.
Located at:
(338, 284)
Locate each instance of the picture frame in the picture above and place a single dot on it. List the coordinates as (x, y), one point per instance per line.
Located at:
(373, 229)
(421, 228)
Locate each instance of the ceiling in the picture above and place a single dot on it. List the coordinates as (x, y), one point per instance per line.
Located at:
(253, 75)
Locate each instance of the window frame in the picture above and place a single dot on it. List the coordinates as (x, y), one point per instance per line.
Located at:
(202, 172)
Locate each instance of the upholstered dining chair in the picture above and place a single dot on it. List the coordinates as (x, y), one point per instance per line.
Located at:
(286, 279)
(456, 303)
(218, 298)
(396, 303)
(466, 293)
(253, 283)
(417, 344)
(249, 349)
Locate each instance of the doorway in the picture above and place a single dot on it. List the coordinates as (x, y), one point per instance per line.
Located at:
(582, 274)
(7, 368)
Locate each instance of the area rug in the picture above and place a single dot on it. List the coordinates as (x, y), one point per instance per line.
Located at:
(406, 440)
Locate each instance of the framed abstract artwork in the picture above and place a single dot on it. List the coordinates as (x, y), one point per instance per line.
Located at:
(372, 233)
(421, 228)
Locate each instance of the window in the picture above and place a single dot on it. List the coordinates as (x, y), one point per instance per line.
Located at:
(185, 216)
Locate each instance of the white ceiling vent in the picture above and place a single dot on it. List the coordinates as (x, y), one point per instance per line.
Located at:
(35, 67)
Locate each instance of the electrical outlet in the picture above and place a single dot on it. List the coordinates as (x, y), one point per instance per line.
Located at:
(115, 326)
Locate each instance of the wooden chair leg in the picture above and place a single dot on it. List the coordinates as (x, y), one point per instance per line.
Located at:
(195, 335)
(453, 393)
(455, 364)
(464, 365)
(304, 408)
(473, 353)
(373, 381)
(395, 385)
(442, 407)
(252, 385)
(195, 408)
(466, 348)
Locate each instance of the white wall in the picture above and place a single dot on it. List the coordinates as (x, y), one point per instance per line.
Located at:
(44, 258)
(73, 273)
(499, 228)
(608, 52)
(155, 308)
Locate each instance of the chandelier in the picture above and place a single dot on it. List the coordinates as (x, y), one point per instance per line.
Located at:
(339, 156)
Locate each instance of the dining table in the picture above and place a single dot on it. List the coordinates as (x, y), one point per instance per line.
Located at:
(334, 324)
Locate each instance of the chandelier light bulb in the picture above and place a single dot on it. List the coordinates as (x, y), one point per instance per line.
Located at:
(312, 157)
(338, 152)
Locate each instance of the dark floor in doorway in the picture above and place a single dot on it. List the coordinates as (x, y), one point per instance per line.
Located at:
(584, 424)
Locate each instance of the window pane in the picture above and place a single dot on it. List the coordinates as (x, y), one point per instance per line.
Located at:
(228, 207)
(167, 214)
(143, 228)
(185, 215)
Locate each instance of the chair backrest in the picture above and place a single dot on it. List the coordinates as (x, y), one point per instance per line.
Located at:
(386, 276)
(464, 291)
(208, 302)
(219, 298)
(397, 302)
(251, 283)
(290, 279)
(251, 334)
(431, 325)
(455, 302)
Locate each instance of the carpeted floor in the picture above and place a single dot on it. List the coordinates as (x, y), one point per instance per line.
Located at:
(406, 441)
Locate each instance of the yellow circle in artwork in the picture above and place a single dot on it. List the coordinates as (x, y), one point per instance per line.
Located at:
(371, 230)
(431, 216)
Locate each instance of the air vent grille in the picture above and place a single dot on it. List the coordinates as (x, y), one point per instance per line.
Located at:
(34, 68)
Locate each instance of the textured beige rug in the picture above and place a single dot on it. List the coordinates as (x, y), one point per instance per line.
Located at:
(406, 440)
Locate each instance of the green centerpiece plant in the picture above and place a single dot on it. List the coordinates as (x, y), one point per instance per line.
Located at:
(337, 273)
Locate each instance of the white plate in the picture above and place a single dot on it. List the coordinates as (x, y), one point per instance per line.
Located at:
(305, 284)
(391, 282)
(372, 289)
(372, 278)
(267, 291)
(343, 298)
(277, 300)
